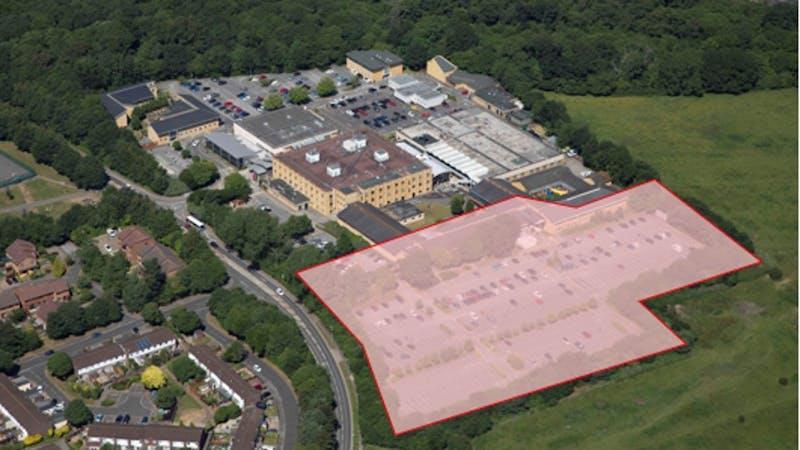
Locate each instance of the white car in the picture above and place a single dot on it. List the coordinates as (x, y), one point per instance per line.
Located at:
(111, 232)
(107, 247)
(279, 291)
(572, 153)
(586, 173)
(195, 142)
(257, 368)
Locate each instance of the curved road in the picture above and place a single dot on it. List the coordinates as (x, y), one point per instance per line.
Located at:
(264, 287)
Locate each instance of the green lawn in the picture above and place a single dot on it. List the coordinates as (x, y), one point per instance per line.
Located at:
(16, 197)
(42, 189)
(738, 155)
(46, 171)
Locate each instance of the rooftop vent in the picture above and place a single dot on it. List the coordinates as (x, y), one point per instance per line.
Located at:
(355, 143)
(312, 156)
(381, 155)
(334, 169)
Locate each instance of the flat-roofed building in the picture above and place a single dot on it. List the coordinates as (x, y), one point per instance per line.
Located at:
(222, 376)
(231, 148)
(477, 144)
(182, 119)
(283, 129)
(144, 437)
(374, 65)
(490, 191)
(497, 100)
(121, 103)
(359, 167)
(22, 259)
(404, 212)
(412, 91)
(20, 411)
(370, 222)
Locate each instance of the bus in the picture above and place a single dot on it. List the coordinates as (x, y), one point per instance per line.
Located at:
(195, 221)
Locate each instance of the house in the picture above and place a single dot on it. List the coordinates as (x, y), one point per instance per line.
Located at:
(139, 246)
(374, 65)
(33, 294)
(135, 348)
(8, 303)
(144, 437)
(283, 129)
(20, 411)
(223, 377)
(370, 222)
(184, 118)
(22, 259)
(246, 435)
(359, 167)
(121, 103)
(44, 310)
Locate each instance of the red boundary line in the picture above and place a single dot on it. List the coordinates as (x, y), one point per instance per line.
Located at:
(642, 302)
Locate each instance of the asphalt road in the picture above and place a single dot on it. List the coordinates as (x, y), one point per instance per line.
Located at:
(264, 287)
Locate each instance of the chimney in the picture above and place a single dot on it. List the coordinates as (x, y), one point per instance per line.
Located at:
(334, 169)
(381, 155)
(312, 156)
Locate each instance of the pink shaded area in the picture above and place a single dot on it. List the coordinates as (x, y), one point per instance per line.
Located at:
(518, 296)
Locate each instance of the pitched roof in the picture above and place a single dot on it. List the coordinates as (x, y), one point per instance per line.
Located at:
(491, 190)
(185, 114)
(145, 247)
(225, 373)
(444, 64)
(30, 291)
(116, 101)
(23, 411)
(149, 432)
(132, 235)
(152, 338)
(371, 222)
(45, 309)
(374, 60)
(473, 80)
(8, 299)
(19, 250)
(100, 354)
(244, 438)
(498, 97)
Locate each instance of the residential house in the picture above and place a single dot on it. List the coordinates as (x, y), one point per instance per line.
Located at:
(22, 259)
(20, 411)
(135, 348)
(139, 246)
(222, 376)
(144, 437)
(33, 294)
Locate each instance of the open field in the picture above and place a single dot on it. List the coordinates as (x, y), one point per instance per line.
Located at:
(46, 171)
(737, 388)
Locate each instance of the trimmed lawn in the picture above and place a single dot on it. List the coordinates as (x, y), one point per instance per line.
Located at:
(16, 195)
(42, 189)
(46, 171)
(737, 388)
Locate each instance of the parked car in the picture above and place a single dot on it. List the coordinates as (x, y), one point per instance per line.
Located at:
(97, 334)
(145, 419)
(213, 244)
(118, 419)
(48, 352)
(257, 368)
(98, 417)
(279, 291)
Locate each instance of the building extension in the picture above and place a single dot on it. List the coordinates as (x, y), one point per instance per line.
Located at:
(476, 144)
(121, 103)
(370, 222)
(20, 411)
(183, 118)
(374, 65)
(283, 129)
(135, 348)
(144, 437)
(361, 167)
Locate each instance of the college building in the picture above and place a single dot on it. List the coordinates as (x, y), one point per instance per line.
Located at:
(144, 437)
(182, 119)
(374, 65)
(360, 167)
(121, 103)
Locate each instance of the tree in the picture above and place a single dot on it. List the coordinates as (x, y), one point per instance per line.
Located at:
(68, 319)
(235, 352)
(469, 206)
(7, 364)
(167, 396)
(729, 70)
(152, 314)
(298, 95)
(185, 369)
(185, 321)
(58, 269)
(176, 145)
(354, 82)
(199, 174)
(237, 186)
(326, 87)
(457, 204)
(153, 378)
(60, 365)
(77, 414)
(226, 413)
(273, 102)
(186, 154)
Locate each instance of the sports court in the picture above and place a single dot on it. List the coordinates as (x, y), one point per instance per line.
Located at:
(12, 172)
(518, 297)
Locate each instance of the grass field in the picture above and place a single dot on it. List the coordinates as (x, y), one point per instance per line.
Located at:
(738, 155)
(46, 171)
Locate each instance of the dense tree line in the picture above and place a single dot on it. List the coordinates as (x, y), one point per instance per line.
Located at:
(50, 148)
(15, 342)
(72, 319)
(272, 334)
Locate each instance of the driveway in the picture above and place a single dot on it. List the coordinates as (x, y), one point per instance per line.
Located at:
(135, 402)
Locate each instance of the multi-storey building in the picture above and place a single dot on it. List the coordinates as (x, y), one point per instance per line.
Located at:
(361, 167)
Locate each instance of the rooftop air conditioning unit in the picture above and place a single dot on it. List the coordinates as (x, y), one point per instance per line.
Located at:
(312, 156)
(334, 169)
(381, 155)
(355, 143)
